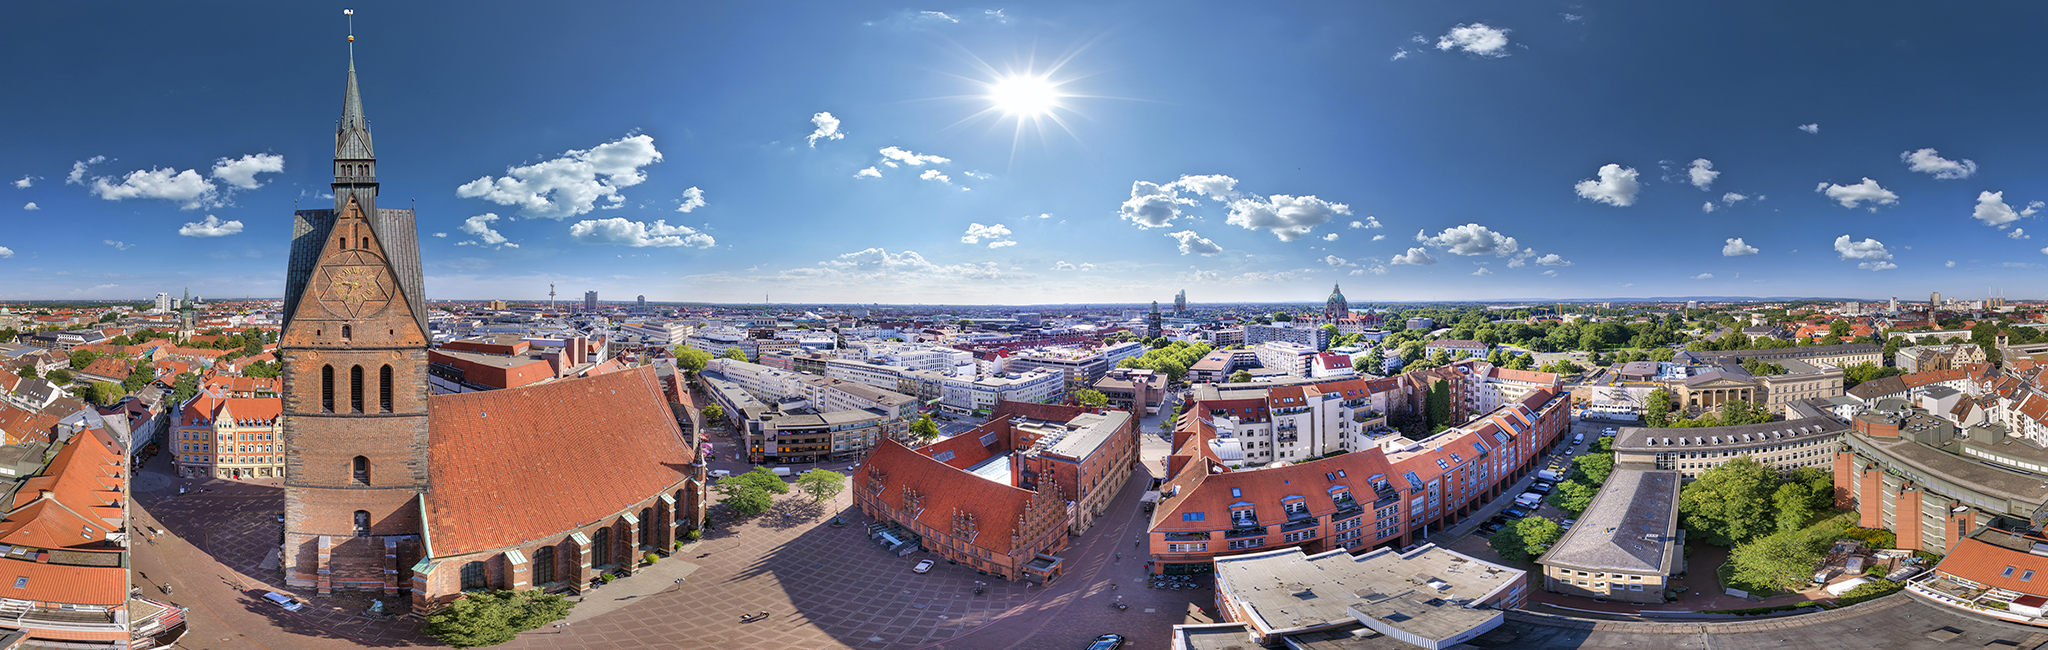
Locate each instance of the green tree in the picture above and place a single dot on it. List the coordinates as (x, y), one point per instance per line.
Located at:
(1876, 588)
(27, 371)
(1088, 397)
(263, 369)
(1730, 503)
(735, 353)
(252, 344)
(1282, 317)
(1507, 543)
(1240, 377)
(1573, 496)
(1439, 403)
(492, 617)
(1783, 560)
(138, 378)
(1537, 534)
(1795, 505)
(1838, 329)
(821, 484)
(751, 493)
(1741, 412)
(924, 429)
(82, 358)
(1371, 363)
(105, 393)
(1657, 408)
(712, 412)
(59, 376)
(691, 360)
(1596, 467)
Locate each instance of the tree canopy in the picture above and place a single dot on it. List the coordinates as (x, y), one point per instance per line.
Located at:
(1089, 397)
(924, 429)
(751, 493)
(489, 618)
(691, 360)
(1730, 503)
(1525, 538)
(821, 484)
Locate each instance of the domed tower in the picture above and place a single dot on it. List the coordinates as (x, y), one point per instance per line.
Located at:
(1336, 308)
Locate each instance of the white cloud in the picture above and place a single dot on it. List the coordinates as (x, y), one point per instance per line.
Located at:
(1475, 38)
(1867, 191)
(1952, 263)
(211, 227)
(442, 235)
(1702, 173)
(186, 188)
(1707, 207)
(1330, 237)
(241, 172)
(994, 233)
(1063, 266)
(934, 175)
(2019, 233)
(1929, 161)
(77, 175)
(693, 198)
(1215, 186)
(1368, 223)
(978, 175)
(1378, 237)
(480, 225)
(1810, 128)
(1398, 55)
(1553, 260)
(870, 172)
(1573, 18)
(1483, 271)
(31, 206)
(1287, 217)
(118, 245)
(1551, 273)
(827, 129)
(6, 252)
(894, 154)
(1197, 244)
(937, 16)
(1703, 276)
(1737, 248)
(1732, 198)
(1376, 269)
(26, 182)
(1471, 239)
(1041, 215)
(1616, 186)
(1152, 205)
(1417, 256)
(875, 265)
(1333, 260)
(1870, 253)
(572, 184)
(618, 230)
(1993, 211)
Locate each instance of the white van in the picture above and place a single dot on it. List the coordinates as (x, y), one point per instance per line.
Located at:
(284, 601)
(1578, 438)
(721, 473)
(1549, 475)
(1528, 499)
(781, 471)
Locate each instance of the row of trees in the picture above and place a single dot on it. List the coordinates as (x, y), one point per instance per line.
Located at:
(754, 492)
(1657, 412)
(1172, 359)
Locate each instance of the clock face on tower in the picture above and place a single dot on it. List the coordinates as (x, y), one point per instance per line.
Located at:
(355, 285)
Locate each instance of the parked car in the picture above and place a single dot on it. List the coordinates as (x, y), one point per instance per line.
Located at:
(1543, 487)
(1567, 452)
(1106, 642)
(1492, 527)
(284, 601)
(1567, 524)
(1516, 513)
(923, 566)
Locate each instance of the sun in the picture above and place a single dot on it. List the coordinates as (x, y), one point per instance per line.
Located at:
(1024, 95)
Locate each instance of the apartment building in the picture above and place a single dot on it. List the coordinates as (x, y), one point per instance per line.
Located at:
(1289, 357)
(1081, 366)
(229, 437)
(1300, 333)
(1784, 446)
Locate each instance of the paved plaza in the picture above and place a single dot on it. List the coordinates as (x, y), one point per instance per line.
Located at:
(822, 586)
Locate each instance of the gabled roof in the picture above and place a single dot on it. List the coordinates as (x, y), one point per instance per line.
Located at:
(520, 464)
(996, 507)
(1205, 489)
(74, 503)
(1630, 526)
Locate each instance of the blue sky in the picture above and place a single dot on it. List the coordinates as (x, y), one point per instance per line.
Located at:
(1488, 150)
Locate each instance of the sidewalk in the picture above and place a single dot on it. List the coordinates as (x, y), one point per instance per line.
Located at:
(669, 574)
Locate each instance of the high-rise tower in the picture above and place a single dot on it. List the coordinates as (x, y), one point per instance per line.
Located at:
(354, 349)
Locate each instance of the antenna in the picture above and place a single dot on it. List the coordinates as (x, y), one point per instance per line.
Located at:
(351, 13)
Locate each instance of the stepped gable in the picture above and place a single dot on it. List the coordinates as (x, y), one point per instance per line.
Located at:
(514, 465)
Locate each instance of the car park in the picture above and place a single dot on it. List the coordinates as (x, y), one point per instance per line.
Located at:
(1516, 513)
(1106, 642)
(923, 566)
(1542, 488)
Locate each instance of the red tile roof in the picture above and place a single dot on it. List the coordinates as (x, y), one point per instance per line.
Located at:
(74, 503)
(57, 583)
(1985, 564)
(108, 367)
(514, 465)
(946, 490)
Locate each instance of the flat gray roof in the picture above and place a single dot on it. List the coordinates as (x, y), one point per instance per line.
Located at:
(1711, 438)
(1631, 526)
(1079, 437)
(1424, 592)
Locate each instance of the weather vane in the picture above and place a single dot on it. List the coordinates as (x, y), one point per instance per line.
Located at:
(351, 13)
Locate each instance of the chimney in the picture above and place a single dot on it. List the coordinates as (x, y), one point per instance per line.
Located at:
(46, 494)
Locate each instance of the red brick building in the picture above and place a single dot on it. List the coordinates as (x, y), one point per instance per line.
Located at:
(538, 487)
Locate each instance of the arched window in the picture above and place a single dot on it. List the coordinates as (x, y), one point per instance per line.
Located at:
(362, 523)
(679, 506)
(384, 387)
(543, 565)
(366, 242)
(362, 470)
(601, 547)
(646, 527)
(327, 389)
(347, 332)
(355, 388)
(475, 577)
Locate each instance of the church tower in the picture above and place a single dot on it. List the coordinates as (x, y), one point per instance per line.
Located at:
(354, 350)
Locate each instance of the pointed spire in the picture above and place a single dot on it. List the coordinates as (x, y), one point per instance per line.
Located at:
(352, 139)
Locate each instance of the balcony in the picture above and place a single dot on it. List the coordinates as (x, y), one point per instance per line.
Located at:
(1254, 530)
(1187, 537)
(1299, 524)
(1347, 508)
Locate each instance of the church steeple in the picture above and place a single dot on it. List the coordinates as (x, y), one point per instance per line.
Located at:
(355, 160)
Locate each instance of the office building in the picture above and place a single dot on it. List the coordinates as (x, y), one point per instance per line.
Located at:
(1299, 333)
(1626, 545)
(589, 301)
(1784, 445)
(1429, 597)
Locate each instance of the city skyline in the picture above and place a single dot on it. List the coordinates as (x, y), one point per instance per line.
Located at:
(1061, 154)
